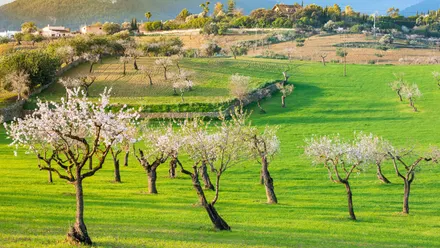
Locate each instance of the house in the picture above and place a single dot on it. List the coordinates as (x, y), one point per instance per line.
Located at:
(8, 34)
(92, 29)
(285, 9)
(55, 32)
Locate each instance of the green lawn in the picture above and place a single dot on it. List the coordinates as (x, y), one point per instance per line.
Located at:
(212, 84)
(312, 210)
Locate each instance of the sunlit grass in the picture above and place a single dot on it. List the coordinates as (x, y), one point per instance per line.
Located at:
(312, 210)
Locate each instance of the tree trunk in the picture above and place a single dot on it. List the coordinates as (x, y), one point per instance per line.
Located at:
(135, 65)
(216, 219)
(283, 101)
(172, 170)
(203, 171)
(262, 111)
(323, 61)
(381, 176)
(151, 80)
(165, 73)
(91, 67)
(91, 163)
(124, 72)
(117, 171)
(268, 182)
(261, 177)
(407, 189)
(350, 201)
(400, 96)
(126, 158)
(411, 103)
(78, 232)
(50, 179)
(345, 66)
(152, 181)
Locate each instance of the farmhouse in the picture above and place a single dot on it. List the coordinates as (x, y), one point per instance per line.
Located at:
(285, 9)
(92, 29)
(55, 31)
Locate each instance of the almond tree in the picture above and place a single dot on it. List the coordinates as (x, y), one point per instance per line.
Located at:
(398, 84)
(129, 139)
(411, 92)
(165, 63)
(124, 60)
(263, 146)
(240, 87)
(69, 84)
(149, 72)
(406, 163)
(19, 82)
(92, 59)
(66, 53)
(75, 130)
(341, 159)
(379, 155)
(86, 82)
(286, 90)
(134, 54)
(436, 76)
(160, 144)
(220, 149)
(323, 57)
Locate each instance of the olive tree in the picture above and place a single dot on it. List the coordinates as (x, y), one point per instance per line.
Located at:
(411, 92)
(92, 59)
(75, 130)
(220, 148)
(341, 159)
(19, 82)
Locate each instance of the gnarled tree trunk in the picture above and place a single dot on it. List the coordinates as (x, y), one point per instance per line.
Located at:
(49, 179)
(350, 200)
(283, 101)
(78, 232)
(173, 166)
(135, 65)
(126, 158)
(216, 219)
(91, 67)
(203, 171)
(380, 175)
(117, 171)
(91, 163)
(407, 190)
(152, 176)
(268, 182)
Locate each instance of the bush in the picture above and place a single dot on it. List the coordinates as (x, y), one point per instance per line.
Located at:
(153, 26)
(40, 65)
(214, 28)
(211, 49)
(386, 39)
(371, 62)
(4, 40)
(163, 47)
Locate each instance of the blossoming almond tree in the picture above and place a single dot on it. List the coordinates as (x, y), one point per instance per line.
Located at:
(74, 130)
(160, 143)
(220, 149)
(407, 170)
(341, 159)
(411, 92)
(263, 146)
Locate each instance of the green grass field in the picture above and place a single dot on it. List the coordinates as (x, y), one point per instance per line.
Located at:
(312, 210)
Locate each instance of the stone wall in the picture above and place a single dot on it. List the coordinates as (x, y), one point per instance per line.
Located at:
(254, 96)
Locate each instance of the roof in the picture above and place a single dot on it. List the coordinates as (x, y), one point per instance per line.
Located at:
(285, 8)
(55, 28)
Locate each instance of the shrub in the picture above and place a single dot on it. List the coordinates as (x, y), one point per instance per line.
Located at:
(386, 39)
(371, 62)
(153, 26)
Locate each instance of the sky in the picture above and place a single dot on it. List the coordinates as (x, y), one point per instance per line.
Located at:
(5, 1)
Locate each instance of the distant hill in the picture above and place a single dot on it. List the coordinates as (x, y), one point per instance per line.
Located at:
(74, 13)
(423, 6)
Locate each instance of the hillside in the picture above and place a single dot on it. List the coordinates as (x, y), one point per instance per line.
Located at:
(423, 6)
(75, 13)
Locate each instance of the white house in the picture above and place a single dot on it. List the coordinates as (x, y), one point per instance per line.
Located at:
(54, 31)
(8, 34)
(92, 29)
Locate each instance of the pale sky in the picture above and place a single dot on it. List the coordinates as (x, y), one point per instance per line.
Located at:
(5, 1)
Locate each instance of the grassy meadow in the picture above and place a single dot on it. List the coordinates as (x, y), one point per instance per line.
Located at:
(312, 211)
